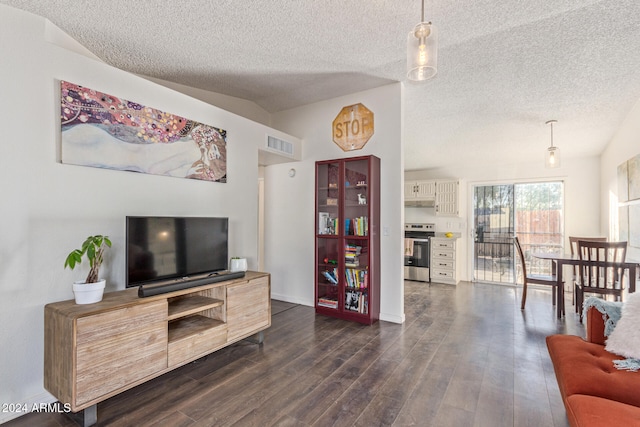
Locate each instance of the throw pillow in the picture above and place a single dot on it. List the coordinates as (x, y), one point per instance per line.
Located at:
(625, 338)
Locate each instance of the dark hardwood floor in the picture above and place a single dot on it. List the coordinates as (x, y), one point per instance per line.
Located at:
(466, 356)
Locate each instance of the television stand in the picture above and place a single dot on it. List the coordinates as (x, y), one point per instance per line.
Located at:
(93, 352)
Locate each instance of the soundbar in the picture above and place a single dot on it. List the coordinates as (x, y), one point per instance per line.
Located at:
(150, 290)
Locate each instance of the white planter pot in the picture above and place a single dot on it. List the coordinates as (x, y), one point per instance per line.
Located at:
(88, 293)
(238, 264)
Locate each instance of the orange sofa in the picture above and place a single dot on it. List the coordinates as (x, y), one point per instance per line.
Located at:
(594, 392)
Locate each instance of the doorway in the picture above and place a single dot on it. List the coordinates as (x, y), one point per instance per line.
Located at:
(533, 211)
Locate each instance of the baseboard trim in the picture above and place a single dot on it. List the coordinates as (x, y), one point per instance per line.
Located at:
(287, 298)
(392, 318)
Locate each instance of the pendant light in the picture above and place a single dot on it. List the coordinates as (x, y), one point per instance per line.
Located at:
(422, 51)
(552, 158)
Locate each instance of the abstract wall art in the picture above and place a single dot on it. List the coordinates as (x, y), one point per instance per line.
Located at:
(629, 201)
(104, 131)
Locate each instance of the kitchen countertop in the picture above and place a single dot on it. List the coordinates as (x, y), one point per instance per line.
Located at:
(442, 234)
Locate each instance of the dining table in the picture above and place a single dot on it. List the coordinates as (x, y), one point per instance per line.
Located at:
(560, 260)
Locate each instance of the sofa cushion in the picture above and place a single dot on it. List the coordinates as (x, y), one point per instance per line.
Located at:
(585, 368)
(592, 411)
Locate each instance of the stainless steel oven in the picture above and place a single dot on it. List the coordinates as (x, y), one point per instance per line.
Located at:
(417, 251)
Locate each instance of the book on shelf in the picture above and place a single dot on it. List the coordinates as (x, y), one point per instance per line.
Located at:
(323, 219)
(356, 226)
(333, 225)
(327, 302)
(361, 226)
(356, 278)
(353, 249)
(331, 275)
(356, 301)
(352, 255)
(327, 224)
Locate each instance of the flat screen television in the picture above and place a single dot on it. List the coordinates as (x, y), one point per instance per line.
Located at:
(161, 249)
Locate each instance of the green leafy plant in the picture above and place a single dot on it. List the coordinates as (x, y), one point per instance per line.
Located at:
(93, 247)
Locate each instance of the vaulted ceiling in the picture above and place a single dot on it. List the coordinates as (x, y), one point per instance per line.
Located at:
(504, 67)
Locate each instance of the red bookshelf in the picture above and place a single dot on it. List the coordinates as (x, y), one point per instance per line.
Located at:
(347, 242)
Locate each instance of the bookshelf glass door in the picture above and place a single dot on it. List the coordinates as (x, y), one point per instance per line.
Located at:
(356, 196)
(356, 230)
(328, 272)
(328, 197)
(356, 275)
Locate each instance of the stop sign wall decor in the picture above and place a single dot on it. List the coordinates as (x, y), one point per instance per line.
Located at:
(352, 127)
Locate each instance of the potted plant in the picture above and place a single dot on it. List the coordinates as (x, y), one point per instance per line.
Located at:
(91, 289)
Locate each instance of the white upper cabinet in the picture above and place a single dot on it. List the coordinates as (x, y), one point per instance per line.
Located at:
(420, 193)
(447, 198)
(441, 194)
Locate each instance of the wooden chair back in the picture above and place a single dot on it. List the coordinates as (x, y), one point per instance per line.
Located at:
(537, 279)
(602, 273)
(573, 242)
(521, 256)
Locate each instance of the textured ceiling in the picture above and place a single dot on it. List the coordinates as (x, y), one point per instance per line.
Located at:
(505, 67)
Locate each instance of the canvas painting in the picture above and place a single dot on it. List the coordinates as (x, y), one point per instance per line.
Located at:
(634, 178)
(105, 131)
(634, 226)
(623, 182)
(623, 223)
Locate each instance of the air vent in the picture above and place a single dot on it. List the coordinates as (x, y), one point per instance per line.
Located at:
(279, 145)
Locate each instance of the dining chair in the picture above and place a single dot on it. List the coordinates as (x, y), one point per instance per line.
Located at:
(537, 279)
(603, 274)
(573, 244)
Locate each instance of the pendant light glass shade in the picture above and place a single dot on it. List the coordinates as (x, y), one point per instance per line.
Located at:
(422, 52)
(552, 156)
(552, 159)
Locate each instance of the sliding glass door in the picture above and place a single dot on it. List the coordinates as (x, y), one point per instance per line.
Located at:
(494, 225)
(531, 211)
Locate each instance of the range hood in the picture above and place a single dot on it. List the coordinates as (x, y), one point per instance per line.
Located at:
(425, 203)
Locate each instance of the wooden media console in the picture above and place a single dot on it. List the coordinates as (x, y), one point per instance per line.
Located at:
(95, 351)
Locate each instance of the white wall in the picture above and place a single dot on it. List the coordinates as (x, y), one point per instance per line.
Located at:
(289, 202)
(48, 208)
(581, 192)
(624, 145)
(242, 107)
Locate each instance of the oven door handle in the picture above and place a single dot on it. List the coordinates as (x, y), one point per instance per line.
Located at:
(419, 240)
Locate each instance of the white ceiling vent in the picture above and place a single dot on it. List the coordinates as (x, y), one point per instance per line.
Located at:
(280, 145)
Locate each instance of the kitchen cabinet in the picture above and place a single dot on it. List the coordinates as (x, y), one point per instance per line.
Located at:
(440, 194)
(443, 260)
(420, 191)
(447, 198)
